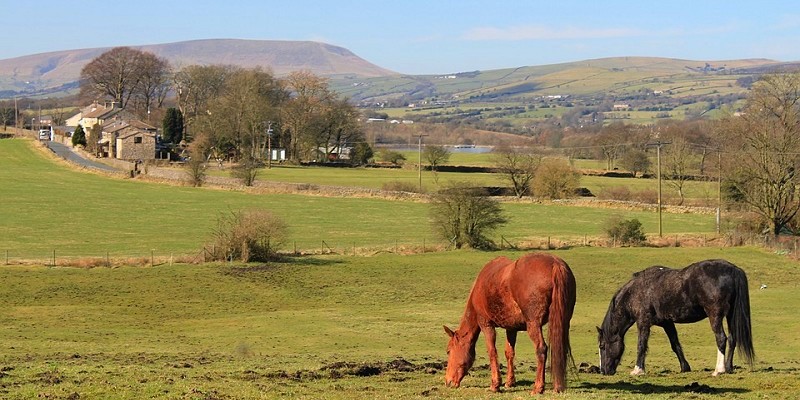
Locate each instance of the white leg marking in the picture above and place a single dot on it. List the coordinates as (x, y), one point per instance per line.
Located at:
(637, 371)
(600, 354)
(720, 364)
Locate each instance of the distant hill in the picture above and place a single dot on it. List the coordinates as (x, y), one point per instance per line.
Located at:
(59, 71)
(588, 78)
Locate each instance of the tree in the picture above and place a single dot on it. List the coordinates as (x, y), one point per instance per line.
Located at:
(555, 179)
(677, 162)
(435, 155)
(79, 137)
(195, 87)
(518, 166)
(761, 149)
(464, 216)
(361, 153)
(123, 73)
(301, 114)
(635, 160)
(172, 126)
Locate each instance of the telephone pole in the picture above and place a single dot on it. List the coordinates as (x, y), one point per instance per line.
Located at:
(419, 144)
(658, 145)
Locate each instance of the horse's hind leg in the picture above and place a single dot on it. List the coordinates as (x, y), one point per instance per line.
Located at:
(722, 342)
(535, 333)
(511, 341)
(731, 347)
(672, 334)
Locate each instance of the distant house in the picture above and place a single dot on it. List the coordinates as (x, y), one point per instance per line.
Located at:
(128, 140)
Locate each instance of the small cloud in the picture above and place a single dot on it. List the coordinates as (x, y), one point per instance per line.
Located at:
(538, 32)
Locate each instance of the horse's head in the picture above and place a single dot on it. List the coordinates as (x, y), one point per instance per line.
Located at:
(612, 346)
(460, 356)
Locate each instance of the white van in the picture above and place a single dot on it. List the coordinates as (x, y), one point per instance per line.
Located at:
(44, 134)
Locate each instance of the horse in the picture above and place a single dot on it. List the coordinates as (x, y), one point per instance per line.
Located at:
(520, 295)
(661, 296)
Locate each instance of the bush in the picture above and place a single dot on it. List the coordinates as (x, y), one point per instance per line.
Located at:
(464, 216)
(555, 179)
(196, 171)
(247, 170)
(625, 232)
(391, 156)
(254, 235)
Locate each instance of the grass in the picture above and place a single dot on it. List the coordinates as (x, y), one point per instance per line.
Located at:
(291, 329)
(48, 208)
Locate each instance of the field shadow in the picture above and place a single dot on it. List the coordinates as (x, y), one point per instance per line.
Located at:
(649, 388)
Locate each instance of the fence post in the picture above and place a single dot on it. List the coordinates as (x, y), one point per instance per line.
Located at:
(152, 257)
(108, 261)
(54, 257)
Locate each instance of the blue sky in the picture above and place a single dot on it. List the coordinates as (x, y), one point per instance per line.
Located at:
(423, 36)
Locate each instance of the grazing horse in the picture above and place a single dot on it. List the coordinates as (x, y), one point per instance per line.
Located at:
(520, 295)
(661, 296)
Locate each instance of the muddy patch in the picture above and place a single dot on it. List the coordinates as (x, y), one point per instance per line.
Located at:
(339, 370)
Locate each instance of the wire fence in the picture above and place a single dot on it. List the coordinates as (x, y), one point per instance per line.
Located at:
(785, 245)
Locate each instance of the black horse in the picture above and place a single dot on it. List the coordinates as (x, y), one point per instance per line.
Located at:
(662, 296)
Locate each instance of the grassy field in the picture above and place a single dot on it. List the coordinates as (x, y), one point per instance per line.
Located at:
(48, 207)
(342, 327)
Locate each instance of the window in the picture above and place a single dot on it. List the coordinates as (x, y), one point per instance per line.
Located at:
(137, 139)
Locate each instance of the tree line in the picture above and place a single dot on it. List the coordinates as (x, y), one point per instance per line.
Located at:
(227, 111)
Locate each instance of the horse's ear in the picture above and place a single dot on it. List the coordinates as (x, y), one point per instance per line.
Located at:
(448, 331)
(599, 330)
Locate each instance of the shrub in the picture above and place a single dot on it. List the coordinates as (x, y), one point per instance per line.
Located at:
(247, 170)
(464, 216)
(253, 235)
(196, 171)
(391, 156)
(622, 193)
(555, 179)
(625, 231)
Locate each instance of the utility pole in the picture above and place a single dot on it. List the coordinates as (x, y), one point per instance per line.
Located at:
(658, 145)
(419, 144)
(719, 191)
(269, 144)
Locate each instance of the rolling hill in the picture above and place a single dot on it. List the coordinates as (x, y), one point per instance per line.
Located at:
(59, 71)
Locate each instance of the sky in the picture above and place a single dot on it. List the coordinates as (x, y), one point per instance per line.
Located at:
(423, 36)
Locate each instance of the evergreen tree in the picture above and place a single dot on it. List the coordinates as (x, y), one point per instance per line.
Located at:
(172, 126)
(79, 137)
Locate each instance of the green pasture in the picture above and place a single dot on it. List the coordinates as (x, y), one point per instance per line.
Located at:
(48, 207)
(344, 327)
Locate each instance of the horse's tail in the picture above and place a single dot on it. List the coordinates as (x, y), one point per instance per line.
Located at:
(740, 323)
(562, 305)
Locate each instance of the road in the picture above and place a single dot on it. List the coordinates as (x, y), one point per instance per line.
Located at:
(67, 154)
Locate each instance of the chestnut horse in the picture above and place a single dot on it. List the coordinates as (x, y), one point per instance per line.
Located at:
(520, 295)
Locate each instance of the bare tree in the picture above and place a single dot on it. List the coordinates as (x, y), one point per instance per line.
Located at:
(761, 149)
(300, 116)
(115, 73)
(518, 166)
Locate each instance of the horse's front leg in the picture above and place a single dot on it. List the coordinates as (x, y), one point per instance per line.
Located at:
(672, 334)
(511, 341)
(641, 350)
(535, 333)
(491, 347)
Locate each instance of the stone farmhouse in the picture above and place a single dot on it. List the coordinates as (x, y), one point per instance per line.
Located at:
(123, 136)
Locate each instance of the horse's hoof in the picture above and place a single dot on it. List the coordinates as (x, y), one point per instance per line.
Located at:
(494, 389)
(637, 371)
(538, 390)
(509, 385)
(717, 373)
